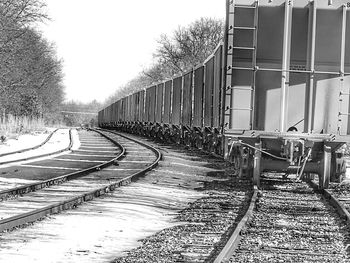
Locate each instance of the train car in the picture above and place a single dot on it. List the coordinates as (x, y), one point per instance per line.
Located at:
(274, 96)
(287, 86)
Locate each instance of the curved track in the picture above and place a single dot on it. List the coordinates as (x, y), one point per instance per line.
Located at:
(17, 156)
(291, 222)
(339, 196)
(28, 177)
(31, 148)
(61, 193)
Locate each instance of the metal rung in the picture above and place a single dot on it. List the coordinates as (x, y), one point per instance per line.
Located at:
(247, 109)
(239, 68)
(245, 48)
(235, 88)
(244, 28)
(242, 68)
(230, 54)
(245, 6)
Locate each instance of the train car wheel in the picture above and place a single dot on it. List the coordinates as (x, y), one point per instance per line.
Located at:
(257, 165)
(325, 173)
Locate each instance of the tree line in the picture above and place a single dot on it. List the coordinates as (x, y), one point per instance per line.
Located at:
(30, 72)
(31, 76)
(185, 48)
(78, 113)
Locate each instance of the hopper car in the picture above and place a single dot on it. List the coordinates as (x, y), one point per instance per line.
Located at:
(273, 96)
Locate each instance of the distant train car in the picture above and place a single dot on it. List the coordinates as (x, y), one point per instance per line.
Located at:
(274, 96)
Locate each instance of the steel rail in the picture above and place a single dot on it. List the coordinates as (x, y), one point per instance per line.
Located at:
(333, 201)
(15, 221)
(27, 188)
(31, 148)
(68, 148)
(153, 149)
(229, 249)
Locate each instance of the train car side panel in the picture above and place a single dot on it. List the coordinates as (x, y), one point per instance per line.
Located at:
(119, 110)
(123, 117)
(167, 101)
(141, 105)
(159, 103)
(332, 114)
(198, 97)
(208, 92)
(107, 114)
(125, 109)
(176, 101)
(136, 106)
(187, 99)
(151, 105)
(131, 108)
(147, 103)
(128, 108)
(217, 86)
(328, 40)
(114, 113)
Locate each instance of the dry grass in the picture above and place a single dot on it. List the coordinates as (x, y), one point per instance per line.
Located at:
(12, 125)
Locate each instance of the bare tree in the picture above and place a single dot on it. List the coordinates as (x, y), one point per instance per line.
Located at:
(185, 48)
(17, 15)
(31, 77)
(188, 46)
(30, 73)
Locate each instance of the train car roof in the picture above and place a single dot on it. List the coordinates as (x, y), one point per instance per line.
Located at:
(321, 4)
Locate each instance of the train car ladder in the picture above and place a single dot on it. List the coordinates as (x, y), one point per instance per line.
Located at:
(231, 111)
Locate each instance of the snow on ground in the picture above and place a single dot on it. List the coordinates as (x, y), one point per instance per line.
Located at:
(24, 141)
(106, 227)
(58, 141)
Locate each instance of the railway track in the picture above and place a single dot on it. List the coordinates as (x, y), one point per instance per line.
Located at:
(22, 178)
(189, 199)
(339, 196)
(30, 148)
(50, 193)
(40, 150)
(291, 222)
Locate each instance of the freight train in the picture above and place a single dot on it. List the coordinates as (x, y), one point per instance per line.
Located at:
(273, 96)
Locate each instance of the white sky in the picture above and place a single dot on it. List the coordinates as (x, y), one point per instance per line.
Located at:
(106, 43)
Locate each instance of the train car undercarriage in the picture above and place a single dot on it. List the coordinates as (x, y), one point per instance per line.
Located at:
(254, 152)
(300, 154)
